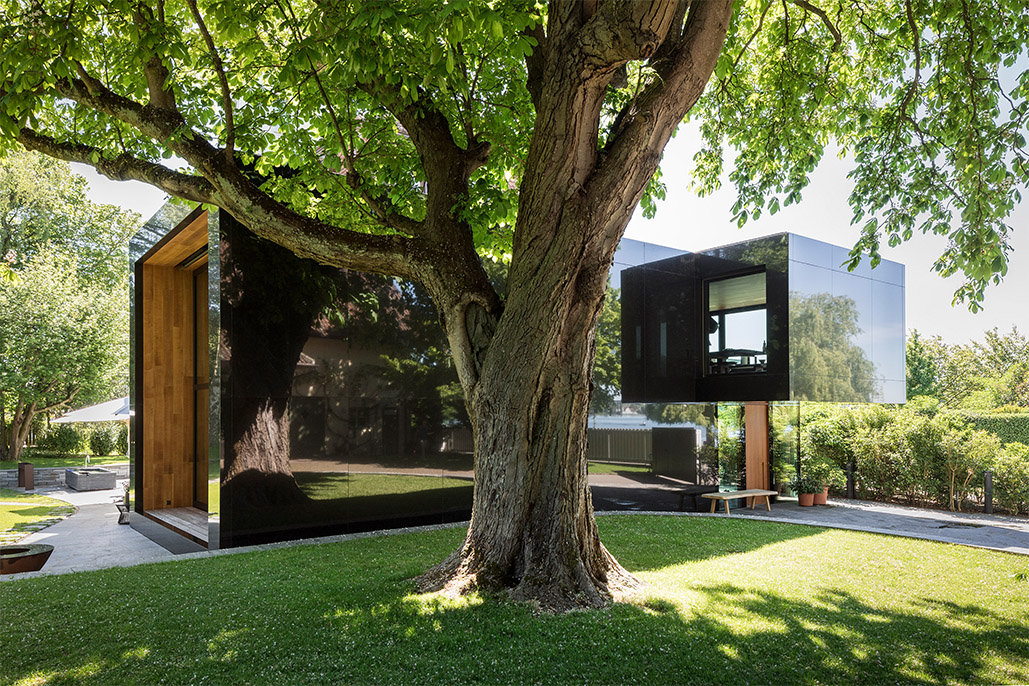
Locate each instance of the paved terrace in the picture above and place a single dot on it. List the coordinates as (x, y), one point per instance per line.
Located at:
(92, 538)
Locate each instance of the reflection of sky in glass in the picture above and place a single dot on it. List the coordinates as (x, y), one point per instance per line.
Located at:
(743, 331)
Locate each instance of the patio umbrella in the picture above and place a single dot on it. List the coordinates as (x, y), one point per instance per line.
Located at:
(112, 411)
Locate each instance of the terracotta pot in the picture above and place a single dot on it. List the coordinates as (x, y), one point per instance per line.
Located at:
(806, 499)
(821, 498)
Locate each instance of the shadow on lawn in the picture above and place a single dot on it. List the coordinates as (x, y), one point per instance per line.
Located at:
(344, 613)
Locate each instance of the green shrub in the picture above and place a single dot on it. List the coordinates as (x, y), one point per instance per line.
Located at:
(1010, 427)
(121, 441)
(1011, 478)
(883, 460)
(64, 439)
(968, 454)
(101, 441)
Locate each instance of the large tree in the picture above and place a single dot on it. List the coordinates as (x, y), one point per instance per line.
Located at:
(61, 340)
(413, 138)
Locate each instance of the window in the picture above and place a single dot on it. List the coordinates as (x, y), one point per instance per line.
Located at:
(737, 325)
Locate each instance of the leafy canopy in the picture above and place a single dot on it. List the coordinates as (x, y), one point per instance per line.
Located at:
(928, 97)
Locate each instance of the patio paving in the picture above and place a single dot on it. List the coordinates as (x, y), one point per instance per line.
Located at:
(92, 538)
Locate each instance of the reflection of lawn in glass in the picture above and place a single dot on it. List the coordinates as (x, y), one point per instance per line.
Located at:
(341, 499)
(330, 486)
(608, 468)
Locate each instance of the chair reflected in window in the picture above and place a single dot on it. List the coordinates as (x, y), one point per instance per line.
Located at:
(737, 325)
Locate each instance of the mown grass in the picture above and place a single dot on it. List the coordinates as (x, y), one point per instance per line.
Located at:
(23, 513)
(728, 601)
(65, 462)
(608, 468)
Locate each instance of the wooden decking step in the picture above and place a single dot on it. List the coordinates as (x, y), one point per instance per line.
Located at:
(188, 521)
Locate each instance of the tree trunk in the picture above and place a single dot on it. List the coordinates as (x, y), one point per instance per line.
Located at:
(17, 432)
(532, 530)
(267, 308)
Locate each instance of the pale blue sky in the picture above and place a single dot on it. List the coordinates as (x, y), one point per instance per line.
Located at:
(688, 222)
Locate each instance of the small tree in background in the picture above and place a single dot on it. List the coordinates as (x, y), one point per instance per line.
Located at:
(60, 341)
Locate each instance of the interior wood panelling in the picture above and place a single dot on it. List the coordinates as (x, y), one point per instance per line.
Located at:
(756, 432)
(167, 393)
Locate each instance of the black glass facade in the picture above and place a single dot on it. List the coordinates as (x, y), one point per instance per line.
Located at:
(776, 319)
(330, 405)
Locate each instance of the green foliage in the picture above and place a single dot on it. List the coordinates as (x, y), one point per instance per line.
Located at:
(121, 439)
(101, 440)
(1010, 427)
(928, 101)
(985, 375)
(607, 366)
(65, 439)
(60, 339)
(43, 205)
(925, 358)
(1011, 478)
(967, 454)
(806, 484)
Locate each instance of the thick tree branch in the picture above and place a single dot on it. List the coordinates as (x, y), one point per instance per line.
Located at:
(634, 150)
(230, 128)
(122, 168)
(155, 71)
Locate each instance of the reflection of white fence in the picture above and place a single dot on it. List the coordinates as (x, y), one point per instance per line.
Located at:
(620, 445)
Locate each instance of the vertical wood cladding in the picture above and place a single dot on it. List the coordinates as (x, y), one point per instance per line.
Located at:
(168, 363)
(756, 432)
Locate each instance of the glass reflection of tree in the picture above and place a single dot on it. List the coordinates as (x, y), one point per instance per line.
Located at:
(827, 364)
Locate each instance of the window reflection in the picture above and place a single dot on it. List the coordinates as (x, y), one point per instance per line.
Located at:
(737, 324)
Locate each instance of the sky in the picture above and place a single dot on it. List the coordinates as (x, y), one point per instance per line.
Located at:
(688, 222)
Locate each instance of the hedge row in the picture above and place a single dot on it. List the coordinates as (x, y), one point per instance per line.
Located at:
(96, 439)
(1008, 427)
(917, 456)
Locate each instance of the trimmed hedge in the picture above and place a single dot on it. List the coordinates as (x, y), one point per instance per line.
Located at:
(1009, 427)
(917, 455)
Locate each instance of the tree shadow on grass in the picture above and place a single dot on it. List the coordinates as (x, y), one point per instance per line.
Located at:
(345, 613)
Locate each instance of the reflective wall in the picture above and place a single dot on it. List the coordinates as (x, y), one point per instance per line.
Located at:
(341, 411)
(776, 318)
(846, 328)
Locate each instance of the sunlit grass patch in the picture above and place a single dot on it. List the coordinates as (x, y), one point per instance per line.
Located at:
(725, 600)
(23, 513)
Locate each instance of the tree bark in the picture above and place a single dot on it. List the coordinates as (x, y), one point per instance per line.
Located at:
(270, 298)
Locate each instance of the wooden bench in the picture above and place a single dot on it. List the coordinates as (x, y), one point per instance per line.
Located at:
(753, 494)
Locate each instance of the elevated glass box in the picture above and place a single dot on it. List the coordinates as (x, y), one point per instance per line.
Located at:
(778, 318)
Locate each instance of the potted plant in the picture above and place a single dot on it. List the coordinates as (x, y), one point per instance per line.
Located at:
(827, 475)
(805, 487)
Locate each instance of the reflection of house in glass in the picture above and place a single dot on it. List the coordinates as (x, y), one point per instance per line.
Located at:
(728, 340)
(266, 410)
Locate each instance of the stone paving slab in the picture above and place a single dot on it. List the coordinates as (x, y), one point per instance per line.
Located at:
(93, 539)
(1008, 534)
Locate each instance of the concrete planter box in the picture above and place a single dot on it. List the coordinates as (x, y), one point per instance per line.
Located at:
(89, 479)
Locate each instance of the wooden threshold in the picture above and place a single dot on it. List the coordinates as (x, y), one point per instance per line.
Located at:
(185, 521)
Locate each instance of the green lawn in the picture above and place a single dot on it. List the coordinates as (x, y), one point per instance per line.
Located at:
(23, 513)
(607, 468)
(728, 601)
(40, 462)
